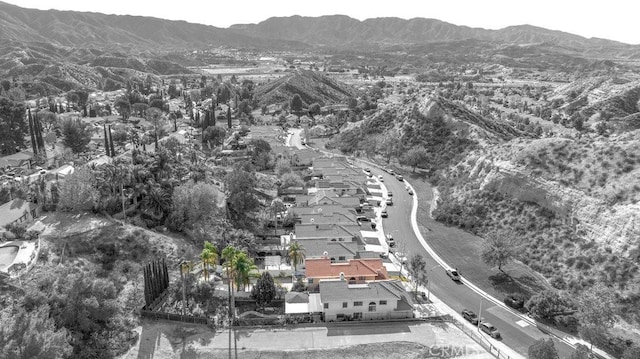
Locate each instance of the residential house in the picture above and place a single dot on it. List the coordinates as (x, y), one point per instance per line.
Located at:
(369, 301)
(335, 251)
(21, 159)
(355, 271)
(17, 211)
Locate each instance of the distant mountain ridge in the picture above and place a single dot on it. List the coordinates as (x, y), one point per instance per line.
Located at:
(341, 30)
(125, 32)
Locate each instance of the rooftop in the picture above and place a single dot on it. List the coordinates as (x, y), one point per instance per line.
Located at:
(323, 268)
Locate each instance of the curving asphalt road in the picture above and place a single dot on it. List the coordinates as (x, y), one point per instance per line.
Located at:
(516, 333)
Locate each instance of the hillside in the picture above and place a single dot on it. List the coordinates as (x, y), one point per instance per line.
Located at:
(311, 86)
(114, 32)
(343, 31)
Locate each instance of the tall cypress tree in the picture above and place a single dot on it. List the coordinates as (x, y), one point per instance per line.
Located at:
(106, 141)
(34, 145)
(229, 117)
(38, 132)
(113, 150)
(213, 113)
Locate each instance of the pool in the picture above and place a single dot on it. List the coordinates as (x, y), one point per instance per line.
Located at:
(7, 256)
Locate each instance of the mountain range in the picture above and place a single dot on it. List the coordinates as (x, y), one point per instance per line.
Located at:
(124, 33)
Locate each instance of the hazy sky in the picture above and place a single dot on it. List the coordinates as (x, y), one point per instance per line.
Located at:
(609, 19)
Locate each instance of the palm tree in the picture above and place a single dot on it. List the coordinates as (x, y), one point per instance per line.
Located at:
(229, 254)
(296, 254)
(208, 256)
(185, 269)
(243, 267)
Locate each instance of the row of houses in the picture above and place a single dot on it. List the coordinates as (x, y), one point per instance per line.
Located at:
(346, 277)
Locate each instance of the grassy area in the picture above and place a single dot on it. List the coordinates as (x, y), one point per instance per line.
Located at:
(462, 249)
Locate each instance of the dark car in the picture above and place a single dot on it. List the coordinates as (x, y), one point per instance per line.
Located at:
(384, 213)
(390, 241)
(470, 316)
(453, 274)
(490, 329)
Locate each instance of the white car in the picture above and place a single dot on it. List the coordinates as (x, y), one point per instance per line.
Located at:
(380, 178)
(400, 257)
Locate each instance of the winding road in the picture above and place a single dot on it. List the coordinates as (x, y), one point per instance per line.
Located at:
(517, 333)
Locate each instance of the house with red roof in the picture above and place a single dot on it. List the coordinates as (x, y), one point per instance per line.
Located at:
(355, 271)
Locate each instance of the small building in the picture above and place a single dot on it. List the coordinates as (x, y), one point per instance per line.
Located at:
(377, 300)
(21, 159)
(17, 211)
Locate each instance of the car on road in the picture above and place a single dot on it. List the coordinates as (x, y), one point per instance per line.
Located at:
(380, 178)
(399, 178)
(391, 172)
(389, 194)
(389, 201)
(384, 213)
(367, 171)
(410, 192)
(390, 241)
(470, 316)
(384, 255)
(400, 257)
(453, 274)
(490, 329)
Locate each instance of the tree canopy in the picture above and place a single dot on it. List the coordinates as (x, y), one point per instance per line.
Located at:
(75, 135)
(499, 248)
(13, 126)
(543, 349)
(265, 290)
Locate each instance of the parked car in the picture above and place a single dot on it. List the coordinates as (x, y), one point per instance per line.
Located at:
(453, 274)
(490, 329)
(399, 178)
(470, 316)
(400, 257)
(384, 213)
(384, 255)
(389, 194)
(363, 219)
(389, 201)
(390, 241)
(410, 192)
(380, 178)
(391, 172)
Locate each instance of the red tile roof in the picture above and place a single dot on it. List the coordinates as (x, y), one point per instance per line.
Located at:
(323, 268)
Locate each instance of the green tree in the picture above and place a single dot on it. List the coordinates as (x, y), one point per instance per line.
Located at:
(265, 290)
(208, 256)
(548, 304)
(582, 352)
(543, 349)
(31, 334)
(418, 270)
(296, 254)
(214, 136)
(240, 188)
(193, 203)
(75, 135)
(291, 179)
(123, 106)
(283, 165)
(597, 306)
(13, 126)
(120, 136)
(296, 104)
(314, 109)
(499, 249)
(417, 156)
(633, 352)
(77, 191)
(185, 271)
